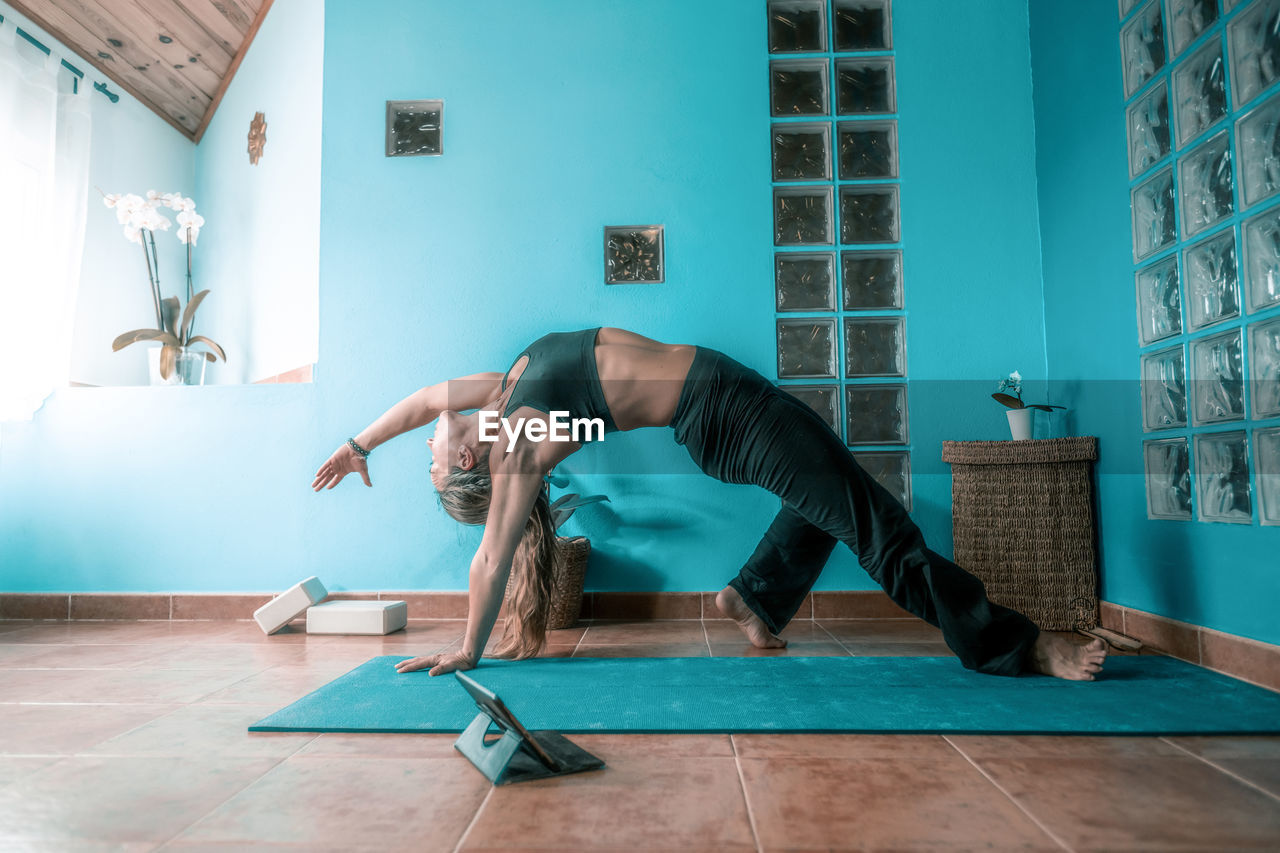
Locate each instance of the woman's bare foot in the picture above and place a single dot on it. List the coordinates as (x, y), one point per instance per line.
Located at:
(731, 604)
(1061, 658)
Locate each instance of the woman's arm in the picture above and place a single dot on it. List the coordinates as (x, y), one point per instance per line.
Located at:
(418, 409)
(510, 504)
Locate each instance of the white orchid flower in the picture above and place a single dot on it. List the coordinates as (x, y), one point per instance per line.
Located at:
(1015, 376)
(152, 220)
(133, 235)
(185, 233)
(111, 199)
(173, 201)
(153, 196)
(188, 204)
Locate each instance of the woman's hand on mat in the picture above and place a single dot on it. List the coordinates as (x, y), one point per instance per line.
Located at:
(344, 461)
(440, 664)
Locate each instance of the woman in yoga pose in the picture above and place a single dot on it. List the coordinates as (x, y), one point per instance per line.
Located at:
(739, 428)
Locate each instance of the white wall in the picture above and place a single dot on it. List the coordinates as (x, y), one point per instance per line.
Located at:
(133, 150)
(259, 252)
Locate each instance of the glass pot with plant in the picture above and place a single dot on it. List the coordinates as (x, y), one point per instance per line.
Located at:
(141, 218)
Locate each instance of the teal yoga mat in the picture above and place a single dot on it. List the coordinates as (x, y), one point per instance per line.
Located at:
(1136, 695)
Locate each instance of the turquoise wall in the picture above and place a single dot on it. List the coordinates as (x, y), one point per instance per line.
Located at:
(1219, 575)
(560, 118)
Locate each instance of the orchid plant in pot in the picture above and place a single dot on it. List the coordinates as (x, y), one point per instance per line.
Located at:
(1020, 413)
(178, 361)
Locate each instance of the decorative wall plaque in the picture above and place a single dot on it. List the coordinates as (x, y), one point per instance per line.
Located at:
(257, 137)
(633, 254)
(414, 128)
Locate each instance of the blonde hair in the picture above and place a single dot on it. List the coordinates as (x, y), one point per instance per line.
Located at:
(465, 496)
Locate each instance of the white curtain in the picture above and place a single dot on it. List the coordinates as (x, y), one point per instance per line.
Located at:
(44, 177)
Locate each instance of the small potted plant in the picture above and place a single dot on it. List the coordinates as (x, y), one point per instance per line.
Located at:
(1019, 413)
(177, 362)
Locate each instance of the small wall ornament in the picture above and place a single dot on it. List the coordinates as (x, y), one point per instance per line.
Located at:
(257, 137)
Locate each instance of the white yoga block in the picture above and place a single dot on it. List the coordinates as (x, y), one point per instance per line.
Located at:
(357, 617)
(289, 605)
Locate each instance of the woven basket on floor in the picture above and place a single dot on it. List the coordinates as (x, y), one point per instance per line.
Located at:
(1023, 518)
(568, 577)
(567, 581)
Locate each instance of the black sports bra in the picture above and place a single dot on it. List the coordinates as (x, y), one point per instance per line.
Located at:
(561, 376)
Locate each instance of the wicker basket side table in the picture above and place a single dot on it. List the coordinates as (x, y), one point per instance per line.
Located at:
(1023, 514)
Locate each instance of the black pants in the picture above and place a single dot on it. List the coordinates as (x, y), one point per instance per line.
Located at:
(740, 428)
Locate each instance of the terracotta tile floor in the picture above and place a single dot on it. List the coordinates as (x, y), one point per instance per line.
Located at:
(131, 736)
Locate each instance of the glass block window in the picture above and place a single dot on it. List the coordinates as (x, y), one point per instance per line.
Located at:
(1201, 86)
(1168, 469)
(835, 174)
(823, 399)
(414, 128)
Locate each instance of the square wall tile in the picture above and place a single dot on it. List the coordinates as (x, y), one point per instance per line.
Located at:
(865, 86)
(798, 87)
(875, 347)
(863, 25)
(1213, 292)
(801, 152)
(890, 470)
(802, 216)
(1199, 91)
(1206, 185)
(797, 25)
(1264, 367)
(1261, 235)
(823, 399)
(868, 149)
(1217, 378)
(876, 414)
(1188, 19)
(1150, 137)
(805, 281)
(633, 254)
(1254, 50)
(1168, 475)
(1258, 152)
(415, 128)
(1159, 301)
(872, 280)
(1164, 389)
(869, 213)
(1266, 462)
(807, 349)
(1142, 48)
(1222, 477)
(1154, 219)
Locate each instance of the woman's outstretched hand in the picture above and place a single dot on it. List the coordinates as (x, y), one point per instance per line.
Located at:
(440, 664)
(344, 461)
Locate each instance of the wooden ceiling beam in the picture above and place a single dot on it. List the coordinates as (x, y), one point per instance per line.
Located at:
(214, 23)
(235, 66)
(177, 57)
(59, 24)
(192, 53)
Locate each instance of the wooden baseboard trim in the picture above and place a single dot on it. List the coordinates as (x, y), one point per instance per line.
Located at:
(854, 604)
(1240, 657)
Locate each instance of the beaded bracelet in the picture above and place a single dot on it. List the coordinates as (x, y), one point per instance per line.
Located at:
(364, 454)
